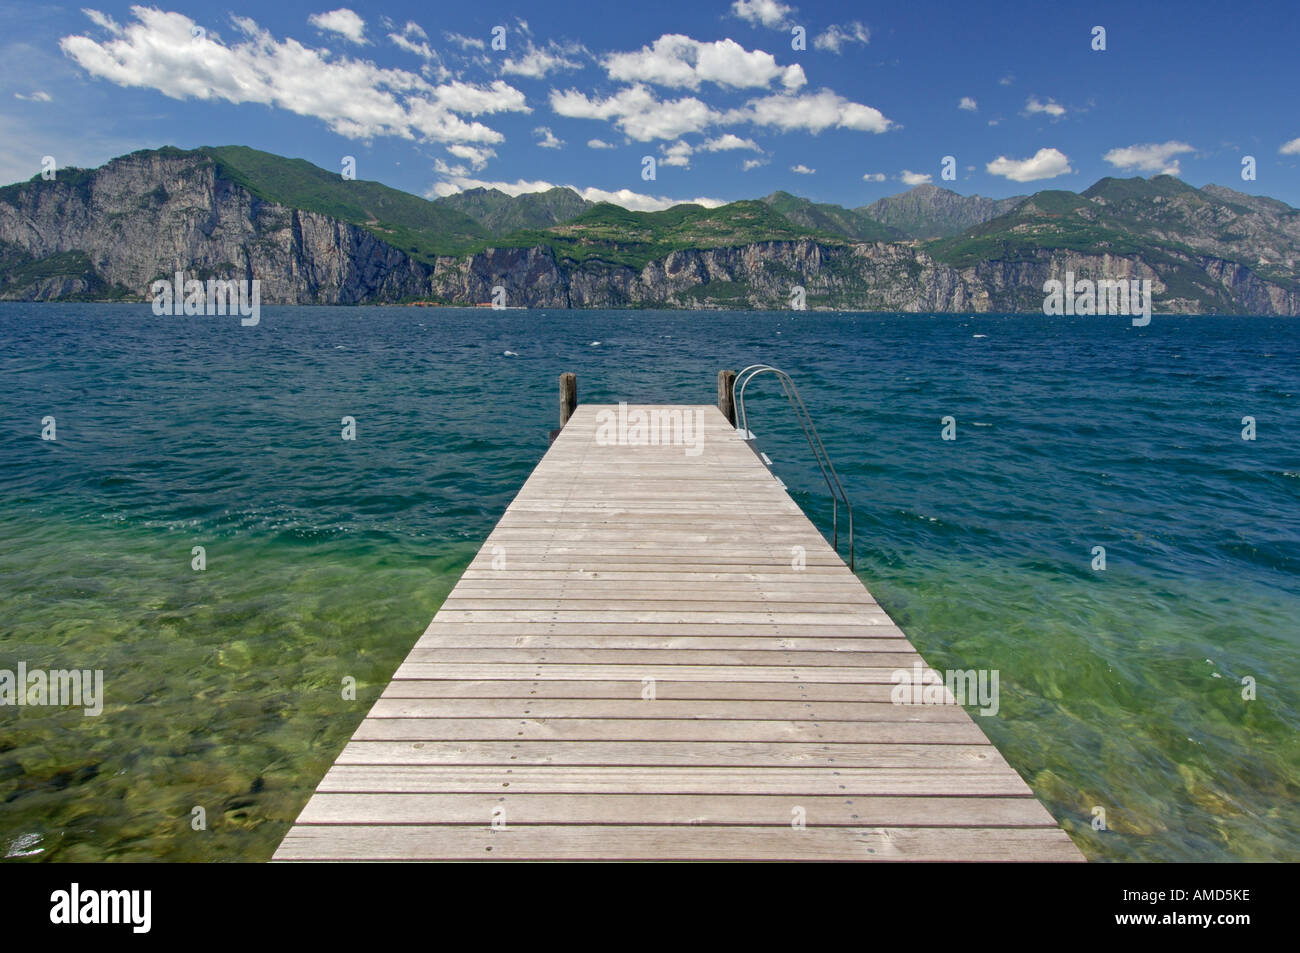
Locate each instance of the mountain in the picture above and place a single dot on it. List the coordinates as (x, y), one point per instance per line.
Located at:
(928, 211)
(110, 232)
(423, 229)
(614, 234)
(1213, 249)
(500, 214)
(832, 219)
(310, 236)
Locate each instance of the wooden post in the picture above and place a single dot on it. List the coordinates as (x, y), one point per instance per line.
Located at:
(568, 396)
(725, 403)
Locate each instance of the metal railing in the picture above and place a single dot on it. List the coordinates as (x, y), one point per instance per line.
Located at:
(832, 479)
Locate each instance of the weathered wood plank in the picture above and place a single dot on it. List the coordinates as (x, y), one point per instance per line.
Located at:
(681, 843)
(655, 656)
(680, 753)
(626, 687)
(637, 708)
(931, 781)
(531, 728)
(763, 810)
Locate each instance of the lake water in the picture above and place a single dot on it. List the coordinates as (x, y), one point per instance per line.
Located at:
(1120, 689)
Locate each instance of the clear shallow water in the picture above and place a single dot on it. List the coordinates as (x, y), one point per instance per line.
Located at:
(1119, 689)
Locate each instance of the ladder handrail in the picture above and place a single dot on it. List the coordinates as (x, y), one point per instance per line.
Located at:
(806, 424)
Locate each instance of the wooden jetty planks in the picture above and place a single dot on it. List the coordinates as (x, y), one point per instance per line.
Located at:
(655, 655)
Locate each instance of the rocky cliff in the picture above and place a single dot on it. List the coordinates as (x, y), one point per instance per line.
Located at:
(148, 215)
(109, 233)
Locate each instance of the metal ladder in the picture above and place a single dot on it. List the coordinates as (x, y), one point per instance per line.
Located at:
(832, 479)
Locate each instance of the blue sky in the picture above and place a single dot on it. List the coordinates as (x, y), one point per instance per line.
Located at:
(712, 89)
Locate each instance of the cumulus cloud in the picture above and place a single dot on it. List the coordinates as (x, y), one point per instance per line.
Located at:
(752, 164)
(1158, 158)
(1291, 148)
(802, 169)
(769, 13)
(474, 99)
(1051, 108)
(677, 60)
(968, 103)
(354, 98)
(413, 39)
(678, 154)
(476, 156)
(343, 21)
(547, 139)
(909, 177)
(873, 177)
(536, 62)
(637, 112)
(464, 42)
(811, 112)
(600, 144)
(728, 141)
(836, 37)
(635, 201)
(103, 21)
(1044, 164)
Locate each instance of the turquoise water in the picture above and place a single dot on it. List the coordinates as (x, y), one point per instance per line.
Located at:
(325, 559)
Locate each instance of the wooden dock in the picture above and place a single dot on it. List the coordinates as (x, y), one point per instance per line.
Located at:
(632, 668)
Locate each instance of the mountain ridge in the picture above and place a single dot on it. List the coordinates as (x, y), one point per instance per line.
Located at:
(314, 237)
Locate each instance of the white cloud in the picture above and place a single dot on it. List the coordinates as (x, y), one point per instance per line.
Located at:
(343, 21)
(39, 96)
(642, 203)
(728, 141)
(476, 156)
(1045, 164)
(475, 100)
(355, 98)
(1152, 157)
(874, 177)
(677, 60)
(812, 112)
(770, 13)
(600, 144)
(548, 139)
(802, 169)
(968, 103)
(836, 36)
(465, 42)
(914, 178)
(1006, 80)
(1051, 107)
(1291, 148)
(442, 168)
(413, 39)
(637, 113)
(536, 63)
(635, 201)
(103, 21)
(752, 164)
(678, 154)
